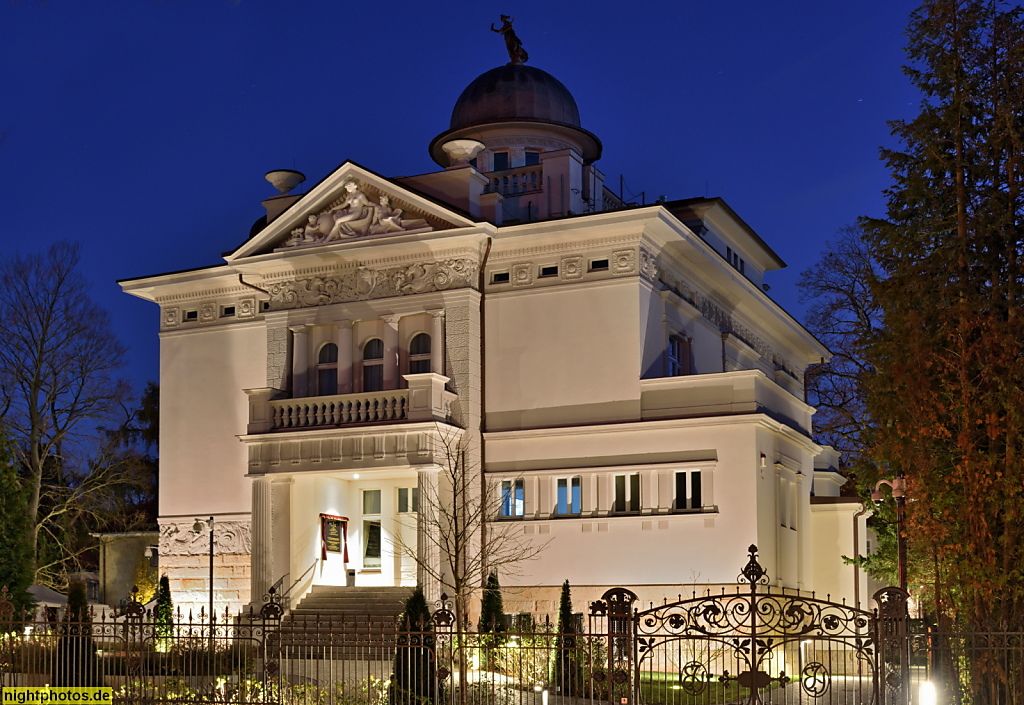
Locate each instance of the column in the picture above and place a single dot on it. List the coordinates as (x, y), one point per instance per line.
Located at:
(428, 532)
(262, 549)
(300, 362)
(281, 531)
(345, 357)
(437, 341)
(391, 351)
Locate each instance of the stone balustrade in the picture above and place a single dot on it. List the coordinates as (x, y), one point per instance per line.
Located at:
(340, 409)
(512, 182)
(425, 399)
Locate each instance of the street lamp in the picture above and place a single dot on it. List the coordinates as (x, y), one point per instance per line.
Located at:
(898, 488)
(199, 527)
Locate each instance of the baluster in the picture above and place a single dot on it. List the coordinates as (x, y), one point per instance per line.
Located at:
(404, 410)
(346, 411)
(317, 414)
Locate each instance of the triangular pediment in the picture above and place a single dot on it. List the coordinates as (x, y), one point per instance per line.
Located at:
(352, 203)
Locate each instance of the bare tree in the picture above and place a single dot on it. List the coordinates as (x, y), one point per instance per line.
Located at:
(58, 386)
(458, 538)
(843, 314)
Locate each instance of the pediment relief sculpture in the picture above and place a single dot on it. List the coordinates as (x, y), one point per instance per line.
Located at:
(354, 215)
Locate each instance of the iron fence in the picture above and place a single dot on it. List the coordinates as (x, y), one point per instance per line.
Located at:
(754, 645)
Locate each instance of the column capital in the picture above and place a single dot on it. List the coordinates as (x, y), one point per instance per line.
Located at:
(392, 319)
(436, 312)
(346, 323)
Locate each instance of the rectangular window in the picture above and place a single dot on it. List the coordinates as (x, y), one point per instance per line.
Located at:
(191, 315)
(327, 381)
(549, 271)
(408, 499)
(532, 158)
(371, 501)
(500, 278)
(570, 495)
(678, 355)
(371, 544)
(627, 493)
(373, 377)
(688, 491)
(227, 311)
(598, 265)
(513, 496)
(500, 161)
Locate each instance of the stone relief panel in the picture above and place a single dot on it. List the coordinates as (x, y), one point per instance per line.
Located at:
(623, 262)
(364, 283)
(522, 274)
(171, 317)
(207, 312)
(246, 307)
(571, 268)
(648, 265)
(353, 215)
(177, 539)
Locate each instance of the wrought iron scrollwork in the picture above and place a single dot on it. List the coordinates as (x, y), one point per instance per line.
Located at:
(272, 607)
(752, 572)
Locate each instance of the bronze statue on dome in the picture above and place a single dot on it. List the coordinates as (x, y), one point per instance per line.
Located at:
(514, 46)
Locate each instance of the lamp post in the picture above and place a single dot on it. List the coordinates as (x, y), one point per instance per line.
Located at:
(898, 488)
(199, 527)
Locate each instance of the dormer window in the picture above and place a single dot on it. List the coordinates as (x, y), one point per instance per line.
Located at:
(500, 161)
(373, 365)
(532, 158)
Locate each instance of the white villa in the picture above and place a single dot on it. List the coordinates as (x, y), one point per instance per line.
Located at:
(623, 389)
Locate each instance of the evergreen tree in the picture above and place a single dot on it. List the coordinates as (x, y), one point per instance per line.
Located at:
(16, 552)
(563, 667)
(414, 681)
(492, 608)
(948, 395)
(163, 613)
(76, 665)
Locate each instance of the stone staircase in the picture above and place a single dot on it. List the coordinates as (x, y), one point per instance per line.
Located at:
(343, 623)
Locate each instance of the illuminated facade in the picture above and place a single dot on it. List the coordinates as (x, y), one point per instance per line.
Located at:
(616, 376)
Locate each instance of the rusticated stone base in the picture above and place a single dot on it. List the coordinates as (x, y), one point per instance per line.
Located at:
(189, 578)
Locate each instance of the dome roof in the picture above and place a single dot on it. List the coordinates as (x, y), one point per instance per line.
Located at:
(515, 92)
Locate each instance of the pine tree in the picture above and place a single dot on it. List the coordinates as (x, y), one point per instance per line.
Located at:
(563, 667)
(16, 552)
(948, 397)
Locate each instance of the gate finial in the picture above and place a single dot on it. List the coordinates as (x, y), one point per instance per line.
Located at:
(752, 572)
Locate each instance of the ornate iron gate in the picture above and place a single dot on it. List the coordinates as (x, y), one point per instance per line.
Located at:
(756, 645)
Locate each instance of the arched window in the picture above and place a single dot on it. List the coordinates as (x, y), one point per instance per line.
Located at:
(373, 365)
(419, 354)
(327, 370)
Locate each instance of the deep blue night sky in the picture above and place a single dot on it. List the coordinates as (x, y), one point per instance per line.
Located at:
(143, 128)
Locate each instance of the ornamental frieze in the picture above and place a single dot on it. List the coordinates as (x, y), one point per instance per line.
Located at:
(363, 283)
(178, 539)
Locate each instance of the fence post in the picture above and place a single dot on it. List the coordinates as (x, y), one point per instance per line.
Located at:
(893, 641)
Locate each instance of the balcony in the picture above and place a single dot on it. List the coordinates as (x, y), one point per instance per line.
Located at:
(425, 400)
(513, 182)
(722, 394)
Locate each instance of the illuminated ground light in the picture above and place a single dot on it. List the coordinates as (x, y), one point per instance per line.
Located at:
(927, 695)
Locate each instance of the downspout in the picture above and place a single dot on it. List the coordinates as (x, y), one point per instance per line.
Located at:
(482, 278)
(856, 554)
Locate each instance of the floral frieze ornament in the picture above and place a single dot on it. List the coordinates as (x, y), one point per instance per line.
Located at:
(364, 283)
(354, 215)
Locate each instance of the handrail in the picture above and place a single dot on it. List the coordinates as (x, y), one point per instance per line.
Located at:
(289, 590)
